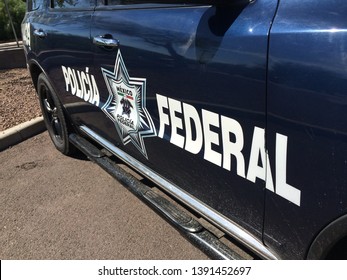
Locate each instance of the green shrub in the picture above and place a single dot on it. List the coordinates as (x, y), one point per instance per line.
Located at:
(17, 11)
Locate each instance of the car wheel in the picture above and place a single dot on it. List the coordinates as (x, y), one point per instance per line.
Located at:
(53, 116)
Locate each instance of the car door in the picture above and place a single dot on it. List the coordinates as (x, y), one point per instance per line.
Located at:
(307, 121)
(183, 93)
(61, 47)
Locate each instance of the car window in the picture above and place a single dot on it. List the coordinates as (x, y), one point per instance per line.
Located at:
(73, 4)
(171, 2)
(34, 5)
(129, 2)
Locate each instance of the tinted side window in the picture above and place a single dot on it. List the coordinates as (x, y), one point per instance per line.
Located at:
(34, 5)
(185, 2)
(129, 2)
(73, 4)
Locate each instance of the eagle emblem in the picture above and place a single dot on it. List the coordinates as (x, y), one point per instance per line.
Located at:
(126, 105)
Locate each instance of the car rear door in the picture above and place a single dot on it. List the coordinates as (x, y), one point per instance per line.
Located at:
(183, 93)
(61, 46)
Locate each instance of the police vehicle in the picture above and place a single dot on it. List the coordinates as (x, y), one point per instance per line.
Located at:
(236, 109)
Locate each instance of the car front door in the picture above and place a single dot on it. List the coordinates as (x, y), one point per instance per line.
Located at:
(183, 93)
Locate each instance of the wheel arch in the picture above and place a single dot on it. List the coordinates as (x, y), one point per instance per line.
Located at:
(329, 241)
(35, 71)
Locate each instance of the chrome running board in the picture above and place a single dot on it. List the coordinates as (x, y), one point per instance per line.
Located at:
(205, 211)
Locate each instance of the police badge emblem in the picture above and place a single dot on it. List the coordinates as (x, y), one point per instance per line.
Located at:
(126, 105)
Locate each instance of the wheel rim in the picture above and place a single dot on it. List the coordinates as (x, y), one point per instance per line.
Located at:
(52, 116)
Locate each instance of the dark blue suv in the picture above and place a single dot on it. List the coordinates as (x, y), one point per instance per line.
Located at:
(236, 109)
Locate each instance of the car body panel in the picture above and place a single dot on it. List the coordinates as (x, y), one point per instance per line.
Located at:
(307, 101)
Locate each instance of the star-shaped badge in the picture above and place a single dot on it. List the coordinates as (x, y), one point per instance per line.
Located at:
(126, 105)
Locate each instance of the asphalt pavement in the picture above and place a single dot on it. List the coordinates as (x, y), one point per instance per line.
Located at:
(58, 207)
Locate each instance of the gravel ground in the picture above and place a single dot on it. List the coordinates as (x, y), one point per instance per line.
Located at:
(18, 101)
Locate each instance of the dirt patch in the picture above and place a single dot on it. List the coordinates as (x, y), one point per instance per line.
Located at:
(18, 100)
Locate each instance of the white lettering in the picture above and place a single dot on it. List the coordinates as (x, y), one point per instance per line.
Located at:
(164, 118)
(72, 80)
(79, 92)
(95, 98)
(192, 115)
(282, 188)
(232, 127)
(84, 82)
(221, 138)
(211, 119)
(79, 83)
(262, 172)
(66, 77)
(175, 107)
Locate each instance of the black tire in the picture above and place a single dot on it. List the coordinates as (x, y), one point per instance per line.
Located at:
(53, 116)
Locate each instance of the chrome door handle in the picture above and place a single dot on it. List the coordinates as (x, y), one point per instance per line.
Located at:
(40, 33)
(105, 42)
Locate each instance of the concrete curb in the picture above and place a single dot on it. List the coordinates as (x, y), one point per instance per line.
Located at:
(12, 44)
(12, 58)
(21, 132)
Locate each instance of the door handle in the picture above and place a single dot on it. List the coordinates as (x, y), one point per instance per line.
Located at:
(105, 42)
(40, 33)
